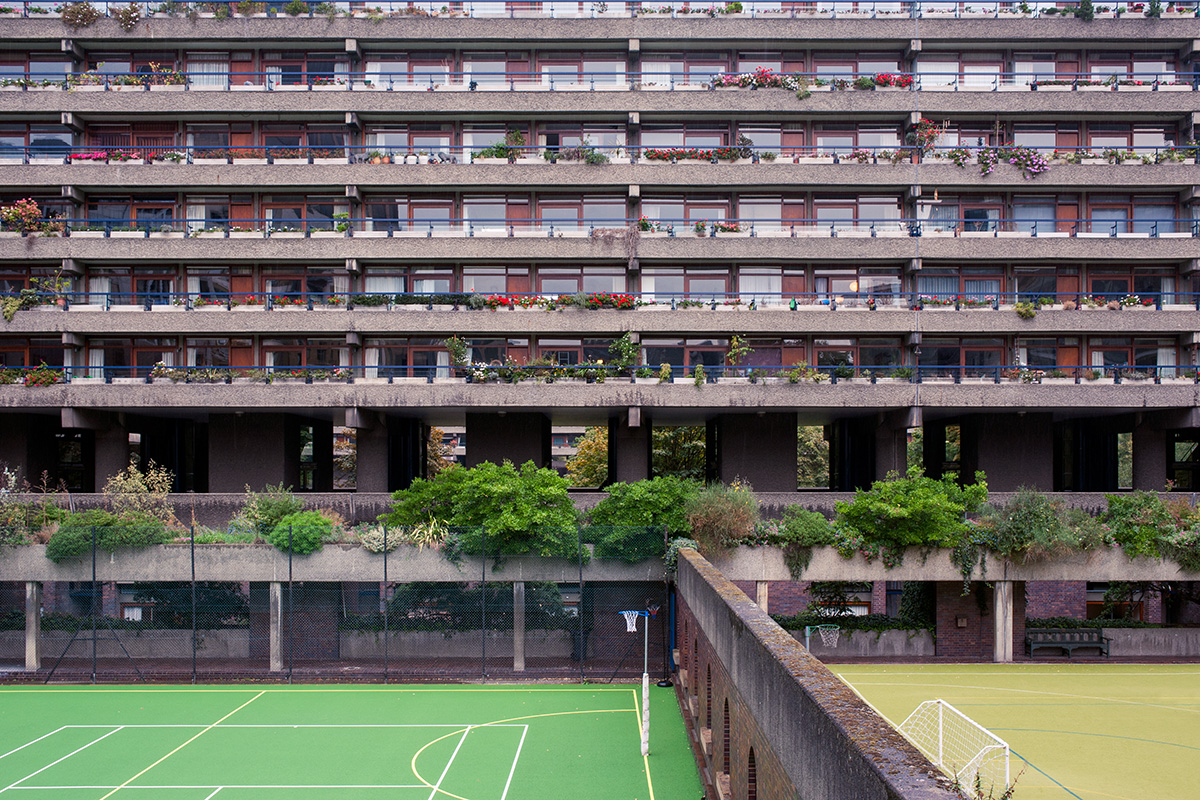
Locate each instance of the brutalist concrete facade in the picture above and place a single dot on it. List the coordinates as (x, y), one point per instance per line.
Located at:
(909, 315)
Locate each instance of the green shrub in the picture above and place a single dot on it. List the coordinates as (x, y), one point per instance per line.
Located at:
(657, 502)
(722, 516)
(1138, 521)
(912, 511)
(307, 530)
(797, 533)
(1074, 622)
(1032, 526)
(521, 511)
(74, 534)
(262, 511)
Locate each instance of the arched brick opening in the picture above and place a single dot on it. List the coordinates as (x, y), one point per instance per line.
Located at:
(751, 778)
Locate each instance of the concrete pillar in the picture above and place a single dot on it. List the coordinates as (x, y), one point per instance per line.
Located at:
(518, 626)
(371, 456)
(250, 450)
(762, 595)
(891, 445)
(276, 594)
(1013, 450)
(1149, 454)
(851, 454)
(112, 451)
(1002, 621)
(630, 447)
(757, 448)
(515, 436)
(33, 626)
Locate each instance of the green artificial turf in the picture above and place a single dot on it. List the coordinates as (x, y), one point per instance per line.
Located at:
(1093, 732)
(491, 742)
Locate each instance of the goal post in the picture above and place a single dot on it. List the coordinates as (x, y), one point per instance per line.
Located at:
(631, 620)
(959, 746)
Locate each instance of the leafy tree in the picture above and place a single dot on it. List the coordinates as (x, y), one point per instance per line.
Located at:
(678, 452)
(915, 510)
(524, 510)
(656, 502)
(812, 457)
(135, 495)
(589, 465)
(437, 453)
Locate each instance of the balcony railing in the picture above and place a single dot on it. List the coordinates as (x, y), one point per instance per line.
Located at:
(445, 80)
(345, 226)
(592, 373)
(877, 299)
(574, 9)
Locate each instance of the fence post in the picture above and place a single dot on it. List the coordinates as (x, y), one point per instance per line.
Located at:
(579, 630)
(94, 588)
(518, 626)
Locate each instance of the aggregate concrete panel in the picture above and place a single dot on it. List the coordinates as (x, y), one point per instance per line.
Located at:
(539, 246)
(724, 30)
(780, 174)
(115, 105)
(231, 562)
(648, 320)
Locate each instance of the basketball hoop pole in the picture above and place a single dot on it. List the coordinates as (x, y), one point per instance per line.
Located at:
(633, 616)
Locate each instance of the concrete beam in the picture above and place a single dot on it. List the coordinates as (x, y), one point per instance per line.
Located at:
(276, 626)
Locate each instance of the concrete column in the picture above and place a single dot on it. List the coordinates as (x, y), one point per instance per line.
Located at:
(250, 450)
(891, 445)
(1002, 621)
(516, 436)
(112, 451)
(1014, 450)
(1149, 454)
(371, 457)
(762, 594)
(758, 448)
(518, 626)
(33, 626)
(629, 447)
(276, 594)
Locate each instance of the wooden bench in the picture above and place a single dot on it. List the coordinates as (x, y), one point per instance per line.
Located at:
(1066, 638)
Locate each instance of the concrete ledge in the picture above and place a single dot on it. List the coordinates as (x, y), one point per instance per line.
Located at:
(224, 644)
(766, 563)
(871, 644)
(233, 562)
(461, 644)
(1157, 642)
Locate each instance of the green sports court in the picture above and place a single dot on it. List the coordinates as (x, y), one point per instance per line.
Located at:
(495, 742)
(1085, 731)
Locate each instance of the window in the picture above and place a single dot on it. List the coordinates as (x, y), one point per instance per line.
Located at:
(572, 71)
(424, 214)
(51, 142)
(295, 284)
(849, 213)
(554, 281)
(495, 280)
(703, 137)
(1034, 215)
(207, 353)
(208, 70)
(305, 353)
(570, 214)
(682, 354)
(608, 139)
(296, 213)
(671, 69)
(126, 358)
(852, 287)
(1133, 357)
(123, 286)
(18, 351)
(846, 356)
(402, 358)
(974, 284)
(953, 358)
(304, 69)
(1148, 284)
(680, 283)
(567, 352)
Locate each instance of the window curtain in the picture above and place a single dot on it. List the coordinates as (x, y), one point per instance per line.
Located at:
(371, 362)
(95, 363)
(1167, 362)
(205, 72)
(944, 287)
(98, 291)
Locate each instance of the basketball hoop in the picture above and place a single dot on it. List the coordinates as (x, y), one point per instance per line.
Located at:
(631, 618)
(829, 635)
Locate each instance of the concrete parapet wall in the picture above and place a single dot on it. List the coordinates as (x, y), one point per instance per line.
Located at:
(794, 728)
(231, 644)
(871, 644)
(461, 644)
(1165, 642)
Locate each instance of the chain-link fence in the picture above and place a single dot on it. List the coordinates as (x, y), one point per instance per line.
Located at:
(373, 611)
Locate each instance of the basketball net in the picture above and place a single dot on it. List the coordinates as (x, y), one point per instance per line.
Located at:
(631, 618)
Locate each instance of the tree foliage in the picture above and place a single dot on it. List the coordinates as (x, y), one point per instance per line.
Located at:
(911, 511)
(135, 495)
(678, 452)
(525, 510)
(657, 502)
(589, 465)
(812, 457)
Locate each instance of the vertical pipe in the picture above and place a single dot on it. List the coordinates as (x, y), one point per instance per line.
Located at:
(33, 626)
(579, 615)
(94, 588)
(291, 613)
(385, 605)
(483, 608)
(193, 549)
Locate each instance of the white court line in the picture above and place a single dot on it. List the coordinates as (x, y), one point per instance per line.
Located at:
(35, 741)
(437, 786)
(214, 794)
(64, 758)
(516, 757)
(459, 726)
(185, 744)
(239, 786)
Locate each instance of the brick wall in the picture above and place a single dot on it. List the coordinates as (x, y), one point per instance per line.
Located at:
(1057, 599)
(965, 624)
(808, 735)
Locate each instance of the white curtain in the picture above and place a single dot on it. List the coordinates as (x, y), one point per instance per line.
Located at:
(98, 291)
(205, 71)
(1166, 359)
(371, 362)
(95, 363)
(341, 286)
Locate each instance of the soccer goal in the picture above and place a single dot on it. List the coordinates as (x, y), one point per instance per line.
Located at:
(959, 746)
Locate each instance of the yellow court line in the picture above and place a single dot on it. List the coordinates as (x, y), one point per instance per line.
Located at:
(185, 744)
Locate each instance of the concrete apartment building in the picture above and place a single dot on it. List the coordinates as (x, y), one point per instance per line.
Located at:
(222, 207)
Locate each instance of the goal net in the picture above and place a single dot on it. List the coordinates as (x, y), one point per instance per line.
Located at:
(959, 746)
